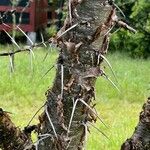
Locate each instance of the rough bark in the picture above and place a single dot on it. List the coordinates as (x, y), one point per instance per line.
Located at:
(82, 47)
(11, 137)
(140, 139)
(79, 63)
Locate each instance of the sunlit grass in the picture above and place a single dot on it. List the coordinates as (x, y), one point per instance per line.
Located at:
(23, 93)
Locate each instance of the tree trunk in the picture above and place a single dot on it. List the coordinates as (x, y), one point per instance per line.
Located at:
(140, 139)
(83, 41)
(11, 137)
(78, 66)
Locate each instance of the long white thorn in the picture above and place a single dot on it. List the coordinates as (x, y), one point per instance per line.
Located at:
(45, 56)
(70, 11)
(50, 121)
(42, 37)
(35, 114)
(86, 132)
(6, 25)
(114, 85)
(44, 135)
(31, 51)
(48, 51)
(98, 130)
(109, 30)
(25, 35)
(92, 59)
(72, 114)
(48, 71)
(68, 144)
(38, 141)
(120, 10)
(98, 59)
(11, 63)
(109, 66)
(73, 26)
(93, 112)
(12, 39)
(62, 80)
(31, 61)
(73, 110)
(116, 31)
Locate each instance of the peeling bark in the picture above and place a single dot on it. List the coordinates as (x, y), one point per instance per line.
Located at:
(140, 139)
(78, 67)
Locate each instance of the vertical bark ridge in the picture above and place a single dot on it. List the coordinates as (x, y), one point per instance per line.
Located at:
(79, 57)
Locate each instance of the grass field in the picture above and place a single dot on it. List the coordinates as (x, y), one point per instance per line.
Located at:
(22, 93)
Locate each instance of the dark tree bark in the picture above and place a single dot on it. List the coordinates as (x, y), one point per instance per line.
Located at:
(78, 66)
(140, 139)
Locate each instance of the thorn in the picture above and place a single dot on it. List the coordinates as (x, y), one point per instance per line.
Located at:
(42, 37)
(86, 132)
(72, 114)
(32, 53)
(6, 25)
(35, 114)
(115, 31)
(119, 10)
(12, 39)
(48, 71)
(78, 45)
(70, 15)
(73, 26)
(109, 30)
(25, 35)
(114, 85)
(50, 121)
(93, 112)
(49, 49)
(31, 61)
(62, 80)
(11, 63)
(99, 130)
(111, 68)
(73, 110)
(126, 26)
(41, 139)
(45, 56)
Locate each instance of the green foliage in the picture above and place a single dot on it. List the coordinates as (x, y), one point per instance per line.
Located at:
(138, 16)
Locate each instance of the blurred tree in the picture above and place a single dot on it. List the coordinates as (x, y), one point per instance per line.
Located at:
(137, 12)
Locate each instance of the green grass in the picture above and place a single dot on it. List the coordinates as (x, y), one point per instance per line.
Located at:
(22, 93)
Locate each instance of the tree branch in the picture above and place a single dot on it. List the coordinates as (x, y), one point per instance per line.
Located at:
(140, 139)
(11, 137)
